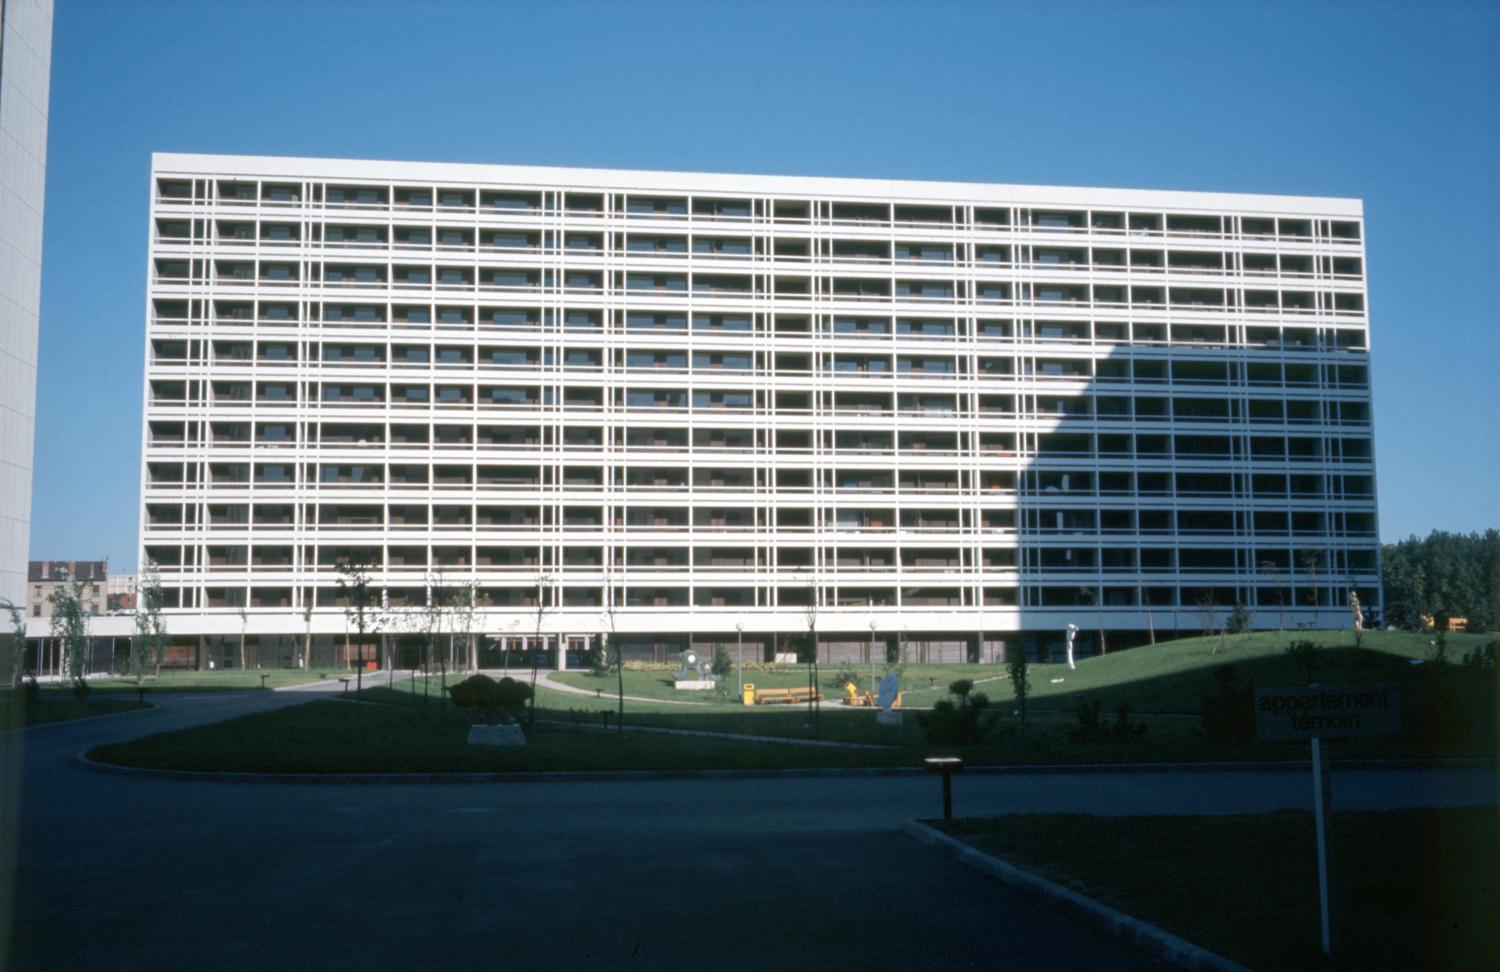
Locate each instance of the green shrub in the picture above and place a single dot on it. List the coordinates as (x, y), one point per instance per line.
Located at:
(723, 664)
(1304, 654)
(1239, 619)
(1227, 715)
(1482, 657)
(599, 661)
(1091, 728)
(1020, 680)
(962, 719)
(30, 691)
(506, 698)
(644, 666)
(847, 674)
(1439, 653)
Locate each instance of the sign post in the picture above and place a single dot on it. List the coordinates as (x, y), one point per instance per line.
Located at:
(1316, 713)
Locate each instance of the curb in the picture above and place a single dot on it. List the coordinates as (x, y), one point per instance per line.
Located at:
(638, 776)
(1159, 942)
(559, 776)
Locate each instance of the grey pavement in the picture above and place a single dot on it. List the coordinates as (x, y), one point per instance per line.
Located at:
(124, 872)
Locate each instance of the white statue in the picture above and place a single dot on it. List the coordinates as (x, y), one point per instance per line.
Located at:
(1072, 633)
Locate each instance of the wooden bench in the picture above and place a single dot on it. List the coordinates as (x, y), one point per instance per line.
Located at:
(755, 696)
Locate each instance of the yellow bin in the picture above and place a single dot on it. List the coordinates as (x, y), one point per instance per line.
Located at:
(749, 698)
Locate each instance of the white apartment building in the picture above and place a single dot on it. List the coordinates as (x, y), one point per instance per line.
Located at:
(25, 72)
(692, 408)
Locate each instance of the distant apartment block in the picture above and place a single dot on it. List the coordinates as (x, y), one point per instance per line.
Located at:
(44, 577)
(120, 593)
(25, 68)
(946, 419)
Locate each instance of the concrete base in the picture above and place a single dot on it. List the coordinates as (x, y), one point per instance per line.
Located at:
(696, 685)
(496, 736)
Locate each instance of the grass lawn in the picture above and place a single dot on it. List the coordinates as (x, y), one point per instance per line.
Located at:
(1162, 684)
(1450, 711)
(58, 707)
(348, 737)
(234, 680)
(1166, 678)
(1416, 888)
(921, 684)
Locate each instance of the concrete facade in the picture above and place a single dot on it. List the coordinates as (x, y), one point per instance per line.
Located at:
(25, 70)
(957, 417)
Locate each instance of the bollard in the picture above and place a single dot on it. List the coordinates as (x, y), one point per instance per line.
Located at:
(947, 765)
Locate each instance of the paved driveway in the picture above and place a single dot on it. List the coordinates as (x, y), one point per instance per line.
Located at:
(124, 872)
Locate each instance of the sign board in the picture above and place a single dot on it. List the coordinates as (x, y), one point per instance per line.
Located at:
(1327, 711)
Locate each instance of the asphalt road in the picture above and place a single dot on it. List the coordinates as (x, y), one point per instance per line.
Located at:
(122, 872)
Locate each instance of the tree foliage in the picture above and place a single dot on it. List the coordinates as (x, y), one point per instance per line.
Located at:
(503, 699)
(1457, 574)
(962, 719)
(70, 628)
(149, 646)
(1018, 669)
(15, 640)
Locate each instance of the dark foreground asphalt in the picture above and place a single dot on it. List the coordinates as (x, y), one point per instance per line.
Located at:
(120, 872)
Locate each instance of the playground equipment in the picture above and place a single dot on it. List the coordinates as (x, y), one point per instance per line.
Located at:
(759, 696)
(853, 696)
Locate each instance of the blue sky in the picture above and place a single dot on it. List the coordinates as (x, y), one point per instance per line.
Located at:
(1398, 104)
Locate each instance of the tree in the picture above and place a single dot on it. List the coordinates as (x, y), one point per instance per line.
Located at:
(1140, 591)
(480, 600)
(15, 641)
(462, 603)
(1020, 680)
(544, 586)
(1312, 563)
(244, 622)
(1275, 573)
(1240, 619)
(149, 646)
(70, 626)
(811, 612)
(361, 603)
(1207, 613)
(432, 616)
(609, 638)
(307, 613)
(1454, 573)
(1091, 597)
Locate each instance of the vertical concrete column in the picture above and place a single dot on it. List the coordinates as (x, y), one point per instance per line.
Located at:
(562, 652)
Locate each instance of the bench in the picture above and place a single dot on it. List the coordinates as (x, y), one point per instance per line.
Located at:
(755, 696)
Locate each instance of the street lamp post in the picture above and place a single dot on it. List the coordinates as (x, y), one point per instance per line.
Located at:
(739, 631)
(872, 654)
